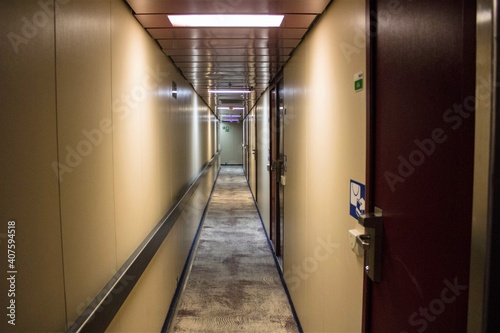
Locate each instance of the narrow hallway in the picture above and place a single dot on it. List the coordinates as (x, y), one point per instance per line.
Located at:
(366, 135)
(233, 284)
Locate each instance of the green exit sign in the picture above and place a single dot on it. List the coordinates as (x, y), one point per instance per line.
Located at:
(358, 81)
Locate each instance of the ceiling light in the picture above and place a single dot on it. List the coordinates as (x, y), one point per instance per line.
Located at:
(229, 91)
(230, 108)
(226, 20)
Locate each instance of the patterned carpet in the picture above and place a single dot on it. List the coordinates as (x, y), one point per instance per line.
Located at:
(233, 285)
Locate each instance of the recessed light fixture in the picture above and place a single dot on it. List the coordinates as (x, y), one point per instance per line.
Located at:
(229, 91)
(226, 20)
(174, 90)
(234, 108)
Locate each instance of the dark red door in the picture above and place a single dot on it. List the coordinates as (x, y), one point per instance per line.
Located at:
(422, 60)
(277, 168)
(274, 157)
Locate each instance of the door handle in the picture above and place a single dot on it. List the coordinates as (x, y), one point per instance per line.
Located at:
(371, 242)
(363, 241)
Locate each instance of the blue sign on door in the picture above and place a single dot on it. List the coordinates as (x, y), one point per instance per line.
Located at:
(357, 204)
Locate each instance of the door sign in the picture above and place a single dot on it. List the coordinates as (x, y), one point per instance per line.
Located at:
(358, 81)
(357, 204)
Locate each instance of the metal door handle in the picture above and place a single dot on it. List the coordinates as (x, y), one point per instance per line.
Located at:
(363, 241)
(371, 242)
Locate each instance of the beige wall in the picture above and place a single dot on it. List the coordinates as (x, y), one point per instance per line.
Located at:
(253, 151)
(325, 145)
(91, 90)
(482, 165)
(83, 73)
(29, 191)
(262, 144)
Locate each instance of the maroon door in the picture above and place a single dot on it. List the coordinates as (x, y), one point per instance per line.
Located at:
(422, 70)
(274, 157)
(245, 148)
(277, 168)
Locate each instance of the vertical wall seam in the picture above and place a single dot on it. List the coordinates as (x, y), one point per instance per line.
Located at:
(112, 126)
(58, 169)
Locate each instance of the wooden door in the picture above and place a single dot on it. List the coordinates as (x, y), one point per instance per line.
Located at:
(422, 93)
(246, 148)
(253, 152)
(281, 168)
(277, 167)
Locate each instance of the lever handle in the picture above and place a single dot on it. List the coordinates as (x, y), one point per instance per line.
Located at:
(372, 243)
(363, 241)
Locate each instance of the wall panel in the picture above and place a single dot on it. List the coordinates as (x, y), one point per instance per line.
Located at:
(325, 144)
(83, 66)
(254, 151)
(162, 146)
(29, 190)
(129, 70)
(295, 97)
(94, 152)
(262, 144)
(483, 115)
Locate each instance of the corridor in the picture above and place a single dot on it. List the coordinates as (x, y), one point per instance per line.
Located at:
(233, 284)
(357, 137)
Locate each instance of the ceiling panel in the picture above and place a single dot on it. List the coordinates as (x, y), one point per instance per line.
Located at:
(290, 21)
(238, 33)
(227, 43)
(224, 58)
(228, 6)
(229, 52)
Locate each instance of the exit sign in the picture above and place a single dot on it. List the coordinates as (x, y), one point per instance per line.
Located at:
(358, 81)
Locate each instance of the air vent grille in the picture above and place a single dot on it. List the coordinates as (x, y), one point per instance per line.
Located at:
(231, 101)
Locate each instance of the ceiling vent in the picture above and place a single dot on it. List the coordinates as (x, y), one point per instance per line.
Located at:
(231, 102)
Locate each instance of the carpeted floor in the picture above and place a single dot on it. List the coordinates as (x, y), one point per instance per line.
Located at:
(233, 285)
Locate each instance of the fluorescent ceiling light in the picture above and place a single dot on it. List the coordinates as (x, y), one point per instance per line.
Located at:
(226, 20)
(230, 108)
(229, 91)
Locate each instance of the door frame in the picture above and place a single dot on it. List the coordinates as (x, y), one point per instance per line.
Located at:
(485, 261)
(245, 148)
(371, 32)
(250, 126)
(276, 128)
(485, 265)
